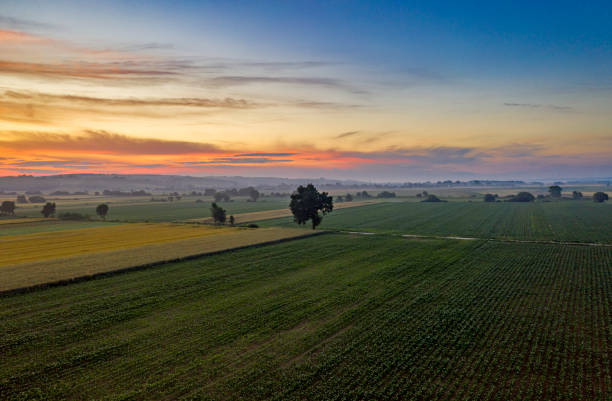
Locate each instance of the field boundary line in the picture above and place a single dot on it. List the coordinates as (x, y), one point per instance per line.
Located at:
(110, 273)
(507, 240)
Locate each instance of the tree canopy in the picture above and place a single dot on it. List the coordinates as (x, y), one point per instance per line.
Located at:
(218, 213)
(555, 191)
(307, 202)
(600, 197)
(222, 196)
(49, 209)
(102, 210)
(489, 198)
(522, 197)
(577, 195)
(7, 208)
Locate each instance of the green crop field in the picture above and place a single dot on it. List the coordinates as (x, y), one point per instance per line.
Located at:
(144, 210)
(324, 318)
(582, 221)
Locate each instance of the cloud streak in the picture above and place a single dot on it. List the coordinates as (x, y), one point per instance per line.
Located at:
(103, 142)
(129, 102)
(539, 106)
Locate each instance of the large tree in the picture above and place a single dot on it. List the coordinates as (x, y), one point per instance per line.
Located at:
(102, 210)
(307, 202)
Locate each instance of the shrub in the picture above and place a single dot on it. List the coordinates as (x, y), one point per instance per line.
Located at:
(489, 198)
(432, 198)
(73, 216)
(386, 194)
(522, 197)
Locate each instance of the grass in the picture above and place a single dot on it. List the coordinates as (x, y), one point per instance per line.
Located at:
(95, 261)
(325, 318)
(582, 221)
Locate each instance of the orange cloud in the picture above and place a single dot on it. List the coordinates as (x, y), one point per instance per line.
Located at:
(45, 99)
(101, 142)
(21, 38)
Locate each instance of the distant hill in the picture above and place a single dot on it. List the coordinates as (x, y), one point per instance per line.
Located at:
(151, 182)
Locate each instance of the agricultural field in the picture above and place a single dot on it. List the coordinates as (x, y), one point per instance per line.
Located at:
(39, 258)
(242, 218)
(581, 221)
(134, 210)
(335, 316)
(36, 225)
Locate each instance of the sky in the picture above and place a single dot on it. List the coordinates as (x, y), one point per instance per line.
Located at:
(366, 90)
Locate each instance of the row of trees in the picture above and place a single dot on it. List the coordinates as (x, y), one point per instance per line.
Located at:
(219, 214)
(7, 208)
(225, 196)
(554, 191)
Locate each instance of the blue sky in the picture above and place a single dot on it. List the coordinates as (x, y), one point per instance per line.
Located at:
(412, 78)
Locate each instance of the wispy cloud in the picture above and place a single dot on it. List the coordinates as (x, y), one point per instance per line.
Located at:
(346, 134)
(22, 24)
(236, 80)
(238, 160)
(264, 154)
(187, 102)
(540, 106)
(102, 142)
(99, 70)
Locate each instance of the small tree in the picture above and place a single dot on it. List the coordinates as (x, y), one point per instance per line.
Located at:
(232, 220)
(577, 195)
(102, 210)
(555, 191)
(7, 208)
(21, 199)
(348, 197)
(253, 194)
(218, 213)
(307, 202)
(222, 196)
(489, 198)
(48, 210)
(600, 197)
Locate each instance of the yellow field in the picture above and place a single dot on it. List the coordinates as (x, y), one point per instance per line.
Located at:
(19, 220)
(80, 254)
(276, 213)
(50, 245)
